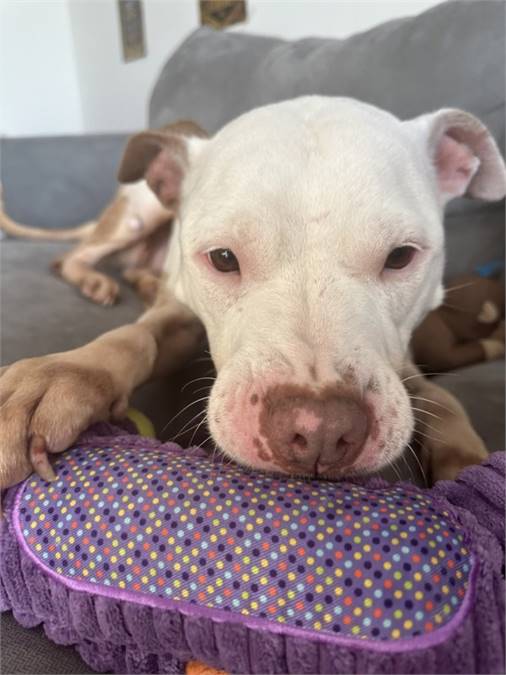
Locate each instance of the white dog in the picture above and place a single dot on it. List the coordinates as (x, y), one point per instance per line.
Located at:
(309, 243)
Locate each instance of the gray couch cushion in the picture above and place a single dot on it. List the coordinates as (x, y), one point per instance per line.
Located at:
(42, 314)
(29, 651)
(449, 56)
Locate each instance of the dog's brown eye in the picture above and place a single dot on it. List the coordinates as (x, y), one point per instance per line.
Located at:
(400, 257)
(223, 260)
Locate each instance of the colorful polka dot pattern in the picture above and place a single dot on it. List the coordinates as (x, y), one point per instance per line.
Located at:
(342, 559)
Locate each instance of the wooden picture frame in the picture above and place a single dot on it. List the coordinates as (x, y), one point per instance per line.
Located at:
(131, 17)
(222, 13)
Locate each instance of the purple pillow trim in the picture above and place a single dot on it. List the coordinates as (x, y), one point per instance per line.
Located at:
(125, 636)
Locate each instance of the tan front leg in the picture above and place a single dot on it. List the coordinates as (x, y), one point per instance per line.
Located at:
(46, 402)
(443, 429)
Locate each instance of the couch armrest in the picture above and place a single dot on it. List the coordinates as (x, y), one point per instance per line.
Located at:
(59, 181)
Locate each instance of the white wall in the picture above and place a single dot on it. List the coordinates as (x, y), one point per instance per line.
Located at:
(115, 94)
(61, 68)
(39, 88)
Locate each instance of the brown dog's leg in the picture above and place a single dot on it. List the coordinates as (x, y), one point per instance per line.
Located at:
(436, 347)
(443, 429)
(54, 398)
(467, 353)
(145, 282)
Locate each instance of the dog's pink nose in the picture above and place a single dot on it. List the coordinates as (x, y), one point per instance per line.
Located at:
(316, 436)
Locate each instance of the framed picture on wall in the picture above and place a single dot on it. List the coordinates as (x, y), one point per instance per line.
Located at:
(222, 13)
(131, 18)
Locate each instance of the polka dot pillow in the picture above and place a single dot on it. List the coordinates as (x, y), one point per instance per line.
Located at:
(379, 567)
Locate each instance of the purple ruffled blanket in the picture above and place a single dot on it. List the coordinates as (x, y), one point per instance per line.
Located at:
(159, 586)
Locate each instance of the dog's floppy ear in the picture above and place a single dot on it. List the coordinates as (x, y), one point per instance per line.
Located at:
(464, 154)
(161, 157)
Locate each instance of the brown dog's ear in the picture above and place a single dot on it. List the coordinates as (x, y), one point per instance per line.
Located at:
(161, 157)
(464, 154)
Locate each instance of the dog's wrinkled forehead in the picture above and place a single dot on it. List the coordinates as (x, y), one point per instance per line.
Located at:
(321, 149)
(336, 158)
(340, 170)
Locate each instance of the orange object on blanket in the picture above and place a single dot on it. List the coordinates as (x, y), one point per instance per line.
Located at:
(199, 668)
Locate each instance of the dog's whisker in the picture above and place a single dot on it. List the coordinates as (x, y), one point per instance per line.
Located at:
(429, 400)
(426, 412)
(207, 439)
(426, 424)
(404, 459)
(199, 400)
(218, 453)
(222, 457)
(197, 379)
(412, 377)
(187, 424)
(457, 309)
(395, 470)
(431, 438)
(185, 431)
(202, 421)
(425, 481)
(207, 386)
(456, 288)
(202, 358)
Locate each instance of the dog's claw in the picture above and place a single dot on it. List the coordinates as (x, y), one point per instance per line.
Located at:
(100, 289)
(40, 460)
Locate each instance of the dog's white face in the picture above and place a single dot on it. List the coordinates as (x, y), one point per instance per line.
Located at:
(310, 244)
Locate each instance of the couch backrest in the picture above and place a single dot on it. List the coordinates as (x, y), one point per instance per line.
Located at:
(449, 56)
(59, 181)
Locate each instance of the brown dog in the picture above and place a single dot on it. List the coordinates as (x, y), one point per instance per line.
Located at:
(467, 328)
(134, 229)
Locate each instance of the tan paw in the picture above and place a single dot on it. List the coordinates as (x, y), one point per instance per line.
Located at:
(100, 288)
(448, 462)
(45, 403)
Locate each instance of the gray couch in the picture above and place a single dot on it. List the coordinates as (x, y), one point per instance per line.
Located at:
(449, 56)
